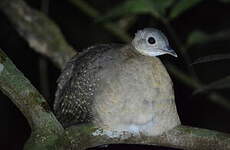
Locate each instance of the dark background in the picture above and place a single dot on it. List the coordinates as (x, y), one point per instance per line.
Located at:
(81, 31)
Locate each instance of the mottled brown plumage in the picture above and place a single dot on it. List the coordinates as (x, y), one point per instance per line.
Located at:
(118, 89)
(77, 84)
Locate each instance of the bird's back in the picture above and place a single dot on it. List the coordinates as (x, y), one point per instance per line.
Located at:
(78, 81)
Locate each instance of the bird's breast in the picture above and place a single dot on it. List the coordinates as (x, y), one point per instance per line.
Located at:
(135, 95)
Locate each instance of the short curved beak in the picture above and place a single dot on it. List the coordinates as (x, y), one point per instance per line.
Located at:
(170, 52)
(173, 53)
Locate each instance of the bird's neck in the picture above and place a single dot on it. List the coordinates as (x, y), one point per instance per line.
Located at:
(130, 51)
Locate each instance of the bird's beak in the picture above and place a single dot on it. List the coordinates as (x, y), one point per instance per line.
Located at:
(173, 53)
(170, 52)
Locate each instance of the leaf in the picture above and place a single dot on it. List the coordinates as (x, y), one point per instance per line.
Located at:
(199, 37)
(161, 6)
(182, 6)
(135, 7)
(219, 84)
(211, 58)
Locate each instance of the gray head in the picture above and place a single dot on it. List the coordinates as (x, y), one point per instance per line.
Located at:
(152, 42)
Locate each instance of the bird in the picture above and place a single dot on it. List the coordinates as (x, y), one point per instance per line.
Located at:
(119, 87)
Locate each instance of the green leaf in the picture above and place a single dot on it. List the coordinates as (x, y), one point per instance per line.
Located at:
(135, 7)
(219, 84)
(211, 58)
(182, 6)
(161, 6)
(199, 37)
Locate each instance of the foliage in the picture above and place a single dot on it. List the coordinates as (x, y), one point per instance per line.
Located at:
(137, 7)
(157, 8)
(182, 6)
(219, 84)
(166, 11)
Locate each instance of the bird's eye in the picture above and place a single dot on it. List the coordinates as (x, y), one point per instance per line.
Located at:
(151, 40)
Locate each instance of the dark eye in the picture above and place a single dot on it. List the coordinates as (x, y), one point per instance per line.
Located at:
(151, 40)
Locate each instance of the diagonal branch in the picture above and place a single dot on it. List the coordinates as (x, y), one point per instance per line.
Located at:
(33, 106)
(41, 33)
(46, 129)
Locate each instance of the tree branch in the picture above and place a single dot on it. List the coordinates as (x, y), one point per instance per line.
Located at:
(34, 107)
(41, 33)
(46, 130)
(184, 137)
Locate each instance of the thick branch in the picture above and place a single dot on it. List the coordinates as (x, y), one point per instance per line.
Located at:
(40, 32)
(184, 137)
(33, 106)
(45, 38)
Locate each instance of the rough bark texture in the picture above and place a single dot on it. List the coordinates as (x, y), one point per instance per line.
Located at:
(41, 33)
(34, 107)
(47, 133)
(183, 137)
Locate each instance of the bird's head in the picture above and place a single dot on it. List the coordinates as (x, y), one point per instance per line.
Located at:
(152, 42)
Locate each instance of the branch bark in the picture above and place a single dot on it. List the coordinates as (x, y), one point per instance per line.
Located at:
(47, 133)
(183, 137)
(45, 127)
(40, 32)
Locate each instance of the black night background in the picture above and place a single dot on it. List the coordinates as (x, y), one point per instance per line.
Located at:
(201, 29)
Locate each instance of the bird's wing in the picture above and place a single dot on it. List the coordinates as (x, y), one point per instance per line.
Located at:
(68, 105)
